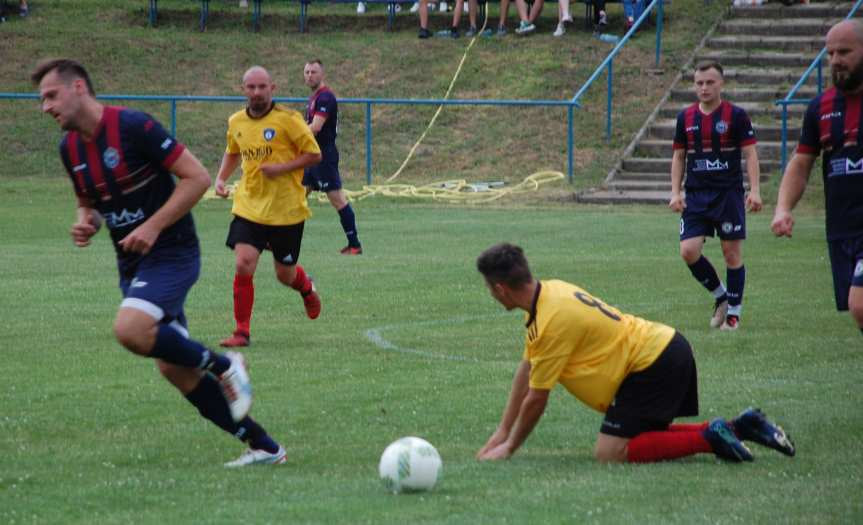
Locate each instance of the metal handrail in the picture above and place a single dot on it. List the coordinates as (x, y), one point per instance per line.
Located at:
(789, 98)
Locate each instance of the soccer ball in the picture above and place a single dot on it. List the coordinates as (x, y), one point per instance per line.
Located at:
(410, 464)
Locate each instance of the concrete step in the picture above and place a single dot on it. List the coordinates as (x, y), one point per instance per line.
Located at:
(646, 185)
(753, 109)
(810, 44)
(622, 197)
(774, 76)
(738, 95)
(739, 57)
(771, 27)
(767, 149)
(652, 165)
(812, 10)
(664, 129)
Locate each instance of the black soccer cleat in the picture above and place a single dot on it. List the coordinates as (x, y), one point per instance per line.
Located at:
(753, 425)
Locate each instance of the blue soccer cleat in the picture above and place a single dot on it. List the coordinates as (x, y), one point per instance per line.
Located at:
(753, 425)
(725, 444)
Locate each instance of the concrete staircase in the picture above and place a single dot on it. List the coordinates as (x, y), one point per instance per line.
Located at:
(764, 51)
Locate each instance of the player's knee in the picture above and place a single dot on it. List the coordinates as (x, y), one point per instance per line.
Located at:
(131, 336)
(246, 265)
(856, 309)
(286, 274)
(609, 454)
(689, 254)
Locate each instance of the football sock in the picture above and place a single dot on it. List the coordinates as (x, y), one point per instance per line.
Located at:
(704, 273)
(244, 300)
(349, 224)
(736, 280)
(649, 447)
(172, 347)
(301, 282)
(207, 397)
(688, 427)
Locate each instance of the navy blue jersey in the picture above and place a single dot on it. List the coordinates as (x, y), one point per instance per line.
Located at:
(713, 145)
(832, 125)
(123, 172)
(323, 103)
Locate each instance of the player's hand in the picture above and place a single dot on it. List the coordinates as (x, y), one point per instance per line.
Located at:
(272, 170)
(220, 189)
(676, 203)
(140, 240)
(501, 451)
(500, 435)
(81, 233)
(783, 223)
(753, 201)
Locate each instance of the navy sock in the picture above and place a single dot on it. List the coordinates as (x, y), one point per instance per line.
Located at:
(736, 281)
(704, 273)
(172, 347)
(349, 224)
(210, 402)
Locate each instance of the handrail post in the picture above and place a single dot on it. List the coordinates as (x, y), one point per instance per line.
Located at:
(820, 76)
(659, 14)
(569, 142)
(368, 142)
(174, 117)
(784, 135)
(608, 103)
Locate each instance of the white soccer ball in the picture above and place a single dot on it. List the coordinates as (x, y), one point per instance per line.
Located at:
(410, 464)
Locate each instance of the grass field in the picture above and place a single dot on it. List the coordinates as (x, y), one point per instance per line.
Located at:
(409, 343)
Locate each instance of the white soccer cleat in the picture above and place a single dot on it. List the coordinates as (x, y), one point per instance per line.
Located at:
(236, 386)
(560, 30)
(258, 457)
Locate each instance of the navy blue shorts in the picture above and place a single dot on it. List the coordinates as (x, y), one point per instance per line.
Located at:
(283, 241)
(649, 400)
(324, 176)
(846, 260)
(160, 282)
(722, 212)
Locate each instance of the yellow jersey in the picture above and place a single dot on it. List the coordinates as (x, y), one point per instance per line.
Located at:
(279, 136)
(586, 345)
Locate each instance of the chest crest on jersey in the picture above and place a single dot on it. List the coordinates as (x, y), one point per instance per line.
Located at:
(111, 158)
(269, 134)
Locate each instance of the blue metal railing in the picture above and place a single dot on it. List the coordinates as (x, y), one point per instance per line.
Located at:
(367, 102)
(608, 63)
(789, 98)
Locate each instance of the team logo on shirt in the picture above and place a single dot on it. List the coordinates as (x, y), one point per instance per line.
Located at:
(111, 158)
(269, 134)
(710, 165)
(845, 166)
(858, 270)
(721, 127)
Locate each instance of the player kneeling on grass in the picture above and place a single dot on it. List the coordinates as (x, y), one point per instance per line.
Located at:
(641, 374)
(120, 162)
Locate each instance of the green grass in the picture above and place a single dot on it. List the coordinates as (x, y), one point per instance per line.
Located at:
(91, 434)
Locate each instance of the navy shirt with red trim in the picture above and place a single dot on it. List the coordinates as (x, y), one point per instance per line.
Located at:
(323, 103)
(713, 145)
(832, 125)
(124, 172)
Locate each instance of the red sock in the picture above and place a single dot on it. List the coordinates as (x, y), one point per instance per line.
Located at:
(688, 427)
(244, 299)
(660, 446)
(301, 283)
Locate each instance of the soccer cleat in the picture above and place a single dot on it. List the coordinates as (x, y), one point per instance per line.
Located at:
(501, 30)
(351, 250)
(312, 302)
(753, 425)
(524, 28)
(236, 386)
(720, 309)
(258, 457)
(560, 30)
(235, 340)
(471, 32)
(424, 33)
(447, 33)
(724, 443)
(732, 323)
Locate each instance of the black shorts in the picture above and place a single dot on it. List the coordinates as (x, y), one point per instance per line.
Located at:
(846, 261)
(283, 241)
(324, 176)
(709, 212)
(651, 399)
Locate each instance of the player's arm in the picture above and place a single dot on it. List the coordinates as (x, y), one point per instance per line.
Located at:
(87, 224)
(317, 123)
(678, 164)
(230, 161)
(193, 182)
(753, 171)
(790, 190)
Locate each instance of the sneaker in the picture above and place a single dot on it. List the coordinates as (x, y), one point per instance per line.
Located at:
(424, 33)
(361, 8)
(351, 250)
(312, 302)
(470, 33)
(442, 7)
(603, 19)
(732, 323)
(720, 309)
(415, 7)
(258, 457)
(524, 27)
(236, 386)
(753, 425)
(567, 18)
(501, 30)
(447, 33)
(725, 444)
(559, 31)
(235, 340)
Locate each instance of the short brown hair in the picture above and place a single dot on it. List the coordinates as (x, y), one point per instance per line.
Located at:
(504, 263)
(704, 65)
(66, 69)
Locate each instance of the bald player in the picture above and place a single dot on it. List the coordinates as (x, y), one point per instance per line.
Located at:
(832, 126)
(274, 145)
